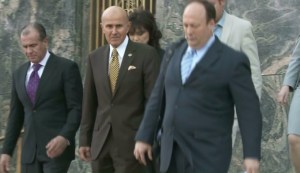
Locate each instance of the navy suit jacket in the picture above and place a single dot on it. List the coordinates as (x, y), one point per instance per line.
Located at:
(198, 115)
(57, 110)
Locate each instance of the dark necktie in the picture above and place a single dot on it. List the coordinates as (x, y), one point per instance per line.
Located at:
(33, 82)
(114, 70)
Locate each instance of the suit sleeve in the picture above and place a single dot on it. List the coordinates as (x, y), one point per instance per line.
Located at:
(249, 47)
(150, 72)
(89, 107)
(147, 129)
(292, 75)
(15, 122)
(247, 107)
(73, 94)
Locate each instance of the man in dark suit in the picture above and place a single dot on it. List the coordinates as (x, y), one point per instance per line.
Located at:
(46, 99)
(203, 81)
(119, 79)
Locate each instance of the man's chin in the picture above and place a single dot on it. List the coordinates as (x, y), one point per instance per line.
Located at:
(33, 60)
(115, 43)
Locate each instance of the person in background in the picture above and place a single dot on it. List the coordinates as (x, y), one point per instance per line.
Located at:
(237, 34)
(203, 80)
(144, 29)
(290, 84)
(46, 100)
(119, 79)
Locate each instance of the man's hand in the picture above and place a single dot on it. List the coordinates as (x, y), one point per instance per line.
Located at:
(56, 146)
(283, 94)
(85, 153)
(4, 163)
(251, 165)
(141, 150)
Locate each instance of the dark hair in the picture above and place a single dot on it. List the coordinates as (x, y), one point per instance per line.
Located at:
(37, 26)
(209, 8)
(142, 19)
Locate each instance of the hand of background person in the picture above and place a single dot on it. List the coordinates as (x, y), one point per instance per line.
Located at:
(85, 153)
(251, 165)
(283, 94)
(4, 163)
(141, 150)
(56, 146)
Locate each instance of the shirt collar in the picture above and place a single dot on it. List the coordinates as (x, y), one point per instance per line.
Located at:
(222, 20)
(210, 41)
(44, 60)
(121, 48)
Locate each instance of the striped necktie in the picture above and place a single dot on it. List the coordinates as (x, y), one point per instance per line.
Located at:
(114, 70)
(186, 65)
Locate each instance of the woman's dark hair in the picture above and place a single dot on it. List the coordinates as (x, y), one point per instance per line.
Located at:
(143, 20)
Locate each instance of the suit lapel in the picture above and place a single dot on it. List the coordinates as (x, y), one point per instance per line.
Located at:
(127, 59)
(210, 57)
(226, 28)
(48, 69)
(99, 65)
(23, 74)
(178, 55)
(102, 67)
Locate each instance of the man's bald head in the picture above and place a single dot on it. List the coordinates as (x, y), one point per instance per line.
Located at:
(114, 10)
(115, 25)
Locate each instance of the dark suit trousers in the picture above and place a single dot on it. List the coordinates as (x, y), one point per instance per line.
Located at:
(53, 166)
(179, 163)
(109, 160)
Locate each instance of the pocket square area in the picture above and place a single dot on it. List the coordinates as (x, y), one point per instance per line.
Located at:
(131, 67)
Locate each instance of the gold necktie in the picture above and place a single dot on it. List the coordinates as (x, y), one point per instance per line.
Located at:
(114, 70)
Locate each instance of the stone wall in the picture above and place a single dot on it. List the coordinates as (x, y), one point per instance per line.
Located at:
(276, 27)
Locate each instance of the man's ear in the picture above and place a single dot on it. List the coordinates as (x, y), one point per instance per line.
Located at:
(45, 41)
(222, 2)
(211, 24)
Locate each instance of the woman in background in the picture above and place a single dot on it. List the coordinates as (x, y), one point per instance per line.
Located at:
(291, 83)
(144, 29)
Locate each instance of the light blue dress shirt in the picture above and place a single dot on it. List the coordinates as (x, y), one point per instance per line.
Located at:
(197, 55)
(219, 26)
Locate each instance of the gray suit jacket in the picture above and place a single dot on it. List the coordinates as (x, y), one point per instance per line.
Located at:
(237, 34)
(293, 72)
(57, 110)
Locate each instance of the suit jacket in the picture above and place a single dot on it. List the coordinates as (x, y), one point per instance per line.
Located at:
(57, 110)
(122, 112)
(199, 114)
(293, 72)
(237, 34)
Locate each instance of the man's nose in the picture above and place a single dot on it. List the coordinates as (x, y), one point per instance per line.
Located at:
(28, 50)
(114, 30)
